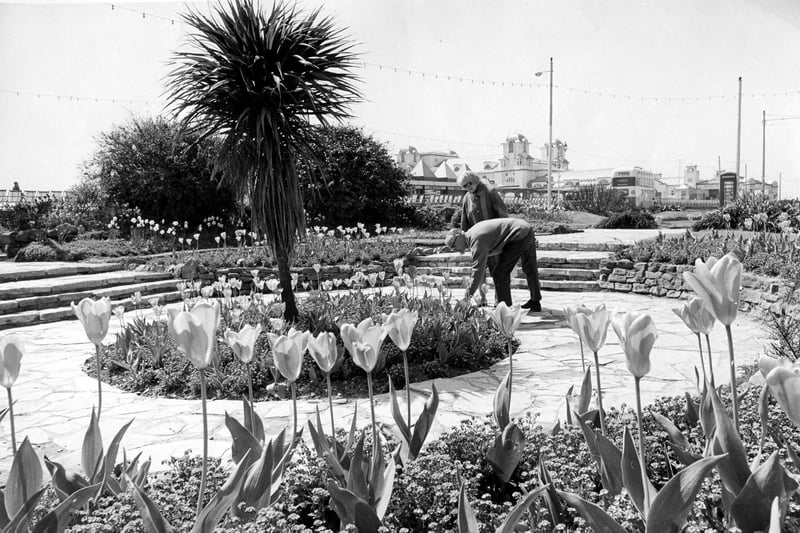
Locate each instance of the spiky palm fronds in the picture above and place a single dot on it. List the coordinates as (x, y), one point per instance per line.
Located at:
(261, 82)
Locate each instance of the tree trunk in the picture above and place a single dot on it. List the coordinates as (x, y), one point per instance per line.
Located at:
(290, 312)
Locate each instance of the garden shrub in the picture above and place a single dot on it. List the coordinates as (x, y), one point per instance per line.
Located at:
(597, 199)
(630, 219)
(763, 215)
(150, 164)
(27, 213)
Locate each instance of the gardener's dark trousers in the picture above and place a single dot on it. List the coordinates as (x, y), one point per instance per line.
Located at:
(524, 249)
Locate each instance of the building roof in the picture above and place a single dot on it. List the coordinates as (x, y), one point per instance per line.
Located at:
(422, 170)
(444, 170)
(516, 137)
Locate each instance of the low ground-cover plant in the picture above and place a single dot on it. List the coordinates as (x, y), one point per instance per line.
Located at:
(451, 338)
(630, 219)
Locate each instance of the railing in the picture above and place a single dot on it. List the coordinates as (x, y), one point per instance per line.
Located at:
(455, 199)
(689, 204)
(10, 198)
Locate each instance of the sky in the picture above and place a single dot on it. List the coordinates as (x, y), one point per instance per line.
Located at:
(649, 83)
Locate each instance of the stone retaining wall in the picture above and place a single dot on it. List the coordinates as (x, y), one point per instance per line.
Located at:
(663, 279)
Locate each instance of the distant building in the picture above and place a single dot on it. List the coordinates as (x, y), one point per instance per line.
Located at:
(432, 172)
(690, 187)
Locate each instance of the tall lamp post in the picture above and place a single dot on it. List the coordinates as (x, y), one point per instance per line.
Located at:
(549, 139)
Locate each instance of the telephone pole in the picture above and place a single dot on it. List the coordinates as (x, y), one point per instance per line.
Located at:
(739, 133)
(763, 151)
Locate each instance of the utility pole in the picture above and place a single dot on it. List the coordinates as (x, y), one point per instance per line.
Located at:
(763, 151)
(780, 184)
(550, 144)
(719, 165)
(739, 133)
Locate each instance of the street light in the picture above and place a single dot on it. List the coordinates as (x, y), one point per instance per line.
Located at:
(550, 138)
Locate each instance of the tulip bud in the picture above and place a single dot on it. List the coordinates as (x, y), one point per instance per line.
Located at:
(323, 349)
(717, 282)
(195, 331)
(399, 326)
(288, 358)
(696, 315)
(784, 383)
(94, 316)
(364, 356)
(507, 319)
(637, 333)
(592, 327)
(12, 347)
(243, 342)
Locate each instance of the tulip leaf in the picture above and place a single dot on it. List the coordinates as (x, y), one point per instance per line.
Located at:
(775, 519)
(707, 420)
(674, 433)
(243, 440)
(684, 456)
(424, 422)
(551, 494)
(671, 506)
(212, 513)
(351, 435)
(595, 515)
(586, 391)
(510, 523)
(19, 523)
(57, 519)
(502, 402)
(399, 421)
(763, 413)
(752, 506)
(568, 402)
(258, 480)
(92, 449)
(4, 519)
(383, 492)
(556, 428)
(691, 411)
(467, 523)
(152, 519)
(632, 474)
(64, 484)
(610, 464)
(590, 438)
(356, 476)
(252, 422)
(506, 453)
(351, 509)
(734, 470)
(318, 437)
(24, 479)
(111, 453)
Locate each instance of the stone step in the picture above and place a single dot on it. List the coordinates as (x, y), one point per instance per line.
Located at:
(546, 259)
(57, 300)
(29, 270)
(37, 316)
(76, 283)
(544, 272)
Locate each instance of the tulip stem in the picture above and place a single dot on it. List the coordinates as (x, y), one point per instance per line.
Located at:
(408, 388)
(599, 395)
(372, 414)
(583, 359)
(710, 363)
(294, 409)
(330, 407)
(250, 391)
(11, 415)
(642, 456)
(510, 373)
(702, 364)
(205, 442)
(732, 364)
(99, 382)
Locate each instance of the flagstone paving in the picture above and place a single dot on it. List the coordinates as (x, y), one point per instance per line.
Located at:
(54, 398)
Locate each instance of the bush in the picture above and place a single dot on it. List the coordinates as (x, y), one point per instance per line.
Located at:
(597, 199)
(753, 211)
(148, 163)
(631, 219)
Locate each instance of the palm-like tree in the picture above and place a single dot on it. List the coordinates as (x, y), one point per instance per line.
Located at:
(261, 82)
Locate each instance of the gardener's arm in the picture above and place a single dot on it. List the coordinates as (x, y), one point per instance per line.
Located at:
(480, 256)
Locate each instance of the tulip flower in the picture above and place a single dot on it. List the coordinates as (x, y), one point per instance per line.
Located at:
(699, 319)
(717, 283)
(367, 332)
(569, 317)
(784, 383)
(399, 326)
(12, 347)
(243, 345)
(195, 334)
(94, 316)
(766, 364)
(365, 357)
(287, 354)
(637, 333)
(507, 319)
(592, 328)
(323, 350)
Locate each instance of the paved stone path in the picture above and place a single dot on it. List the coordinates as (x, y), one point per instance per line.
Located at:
(54, 398)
